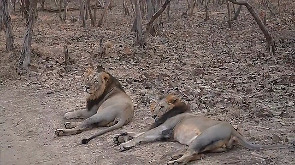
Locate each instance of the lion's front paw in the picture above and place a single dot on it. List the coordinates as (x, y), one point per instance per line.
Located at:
(125, 146)
(69, 125)
(59, 132)
(173, 162)
(122, 138)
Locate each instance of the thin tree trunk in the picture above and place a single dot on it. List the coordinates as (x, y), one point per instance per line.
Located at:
(237, 13)
(90, 14)
(104, 13)
(150, 9)
(206, 12)
(6, 21)
(228, 14)
(149, 27)
(192, 4)
(65, 9)
(67, 58)
(26, 50)
(267, 35)
(125, 8)
(139, 36)
(83, 13)
(59, 10)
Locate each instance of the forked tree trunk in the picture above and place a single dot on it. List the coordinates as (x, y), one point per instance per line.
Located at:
(139, 36)
(5, 21)
(267, 35)
(26, 50)
(149, 27)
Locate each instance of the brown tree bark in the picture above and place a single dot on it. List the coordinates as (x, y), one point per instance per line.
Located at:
(138, 17)
(149, 27)
(25, 58)
(90, 13)
(5, 23)
(150, 9)
(267, 35)
(83, 13)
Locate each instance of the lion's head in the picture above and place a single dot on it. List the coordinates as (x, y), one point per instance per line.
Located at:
(166, 108)
(98, 83)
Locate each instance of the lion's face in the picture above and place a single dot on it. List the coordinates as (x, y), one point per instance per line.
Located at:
(95, 83)
(163, 106)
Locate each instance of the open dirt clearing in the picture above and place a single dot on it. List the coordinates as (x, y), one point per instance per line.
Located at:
(222, 73)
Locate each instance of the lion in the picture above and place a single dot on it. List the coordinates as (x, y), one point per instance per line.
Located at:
(173, 121)
(107, 106)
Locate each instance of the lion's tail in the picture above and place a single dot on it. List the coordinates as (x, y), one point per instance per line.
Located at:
(108, 129)
(252, 146)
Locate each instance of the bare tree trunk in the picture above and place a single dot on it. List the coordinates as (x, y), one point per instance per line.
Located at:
(150, 9)
(149, 27)
(206, 12)
(42, 2)
(90, 14)
(59, 10)
(26, 50)
(237, 13)
(267, 35)
(139, 37)
(65, 9)
(192, 4)
(67, 58)
(168, 11)
(126, 10)
(83, 12)
(6, 21)
(228, 14)
(104, 13)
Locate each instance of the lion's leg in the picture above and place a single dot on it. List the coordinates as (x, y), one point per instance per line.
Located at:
(99, 119)
(72, 124)
(189, 155)
(124, 137)
(155, 134)
(213, 139)
(81, 114)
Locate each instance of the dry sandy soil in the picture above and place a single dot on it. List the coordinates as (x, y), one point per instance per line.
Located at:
(224, 73)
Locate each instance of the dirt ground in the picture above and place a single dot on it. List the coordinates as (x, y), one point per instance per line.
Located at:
(223, 73)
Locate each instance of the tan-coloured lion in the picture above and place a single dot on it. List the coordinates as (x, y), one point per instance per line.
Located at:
(173, 121)
(107, 106)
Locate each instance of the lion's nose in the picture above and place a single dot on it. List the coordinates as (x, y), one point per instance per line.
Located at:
(87, 88)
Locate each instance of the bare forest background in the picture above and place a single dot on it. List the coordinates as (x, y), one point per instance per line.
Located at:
(230, 60)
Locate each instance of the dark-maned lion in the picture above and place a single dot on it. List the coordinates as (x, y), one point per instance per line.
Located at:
(173, 121)
(107, 106)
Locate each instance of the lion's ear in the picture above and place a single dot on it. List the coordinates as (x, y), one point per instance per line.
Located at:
(171, 99)
(89, 71)
(153, 106)
(105, 77)
(99, 68)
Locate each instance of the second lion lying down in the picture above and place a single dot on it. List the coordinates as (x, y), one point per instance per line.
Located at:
(174, 122)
